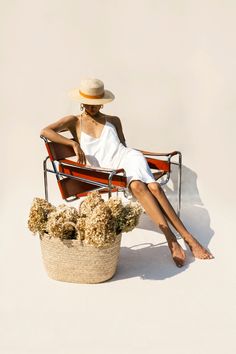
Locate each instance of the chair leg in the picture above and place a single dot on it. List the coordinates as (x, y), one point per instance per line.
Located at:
(45, 179)
(179, 184)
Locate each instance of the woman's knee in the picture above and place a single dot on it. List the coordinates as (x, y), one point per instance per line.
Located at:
(155, 187)
(137, 186)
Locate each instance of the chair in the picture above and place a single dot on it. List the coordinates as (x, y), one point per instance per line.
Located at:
(76, 180)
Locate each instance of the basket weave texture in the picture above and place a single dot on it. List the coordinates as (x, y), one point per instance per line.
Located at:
(73, 261)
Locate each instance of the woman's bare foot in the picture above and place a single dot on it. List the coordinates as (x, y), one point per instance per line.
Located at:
(197, 249)
(177, 252)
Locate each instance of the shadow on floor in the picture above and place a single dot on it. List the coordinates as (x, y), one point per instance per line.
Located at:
(152, 261)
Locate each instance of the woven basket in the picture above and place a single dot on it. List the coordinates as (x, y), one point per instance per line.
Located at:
(73, 261)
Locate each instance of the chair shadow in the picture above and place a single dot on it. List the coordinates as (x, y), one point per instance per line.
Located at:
(155, 261)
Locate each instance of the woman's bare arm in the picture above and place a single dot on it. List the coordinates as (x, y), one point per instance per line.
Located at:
(119, 129)
(63, 124)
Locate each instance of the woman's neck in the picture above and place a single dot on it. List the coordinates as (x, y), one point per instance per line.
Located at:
(96, 117)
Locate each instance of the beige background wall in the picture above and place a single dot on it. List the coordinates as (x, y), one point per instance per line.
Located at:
(169, 63)
(171, 66)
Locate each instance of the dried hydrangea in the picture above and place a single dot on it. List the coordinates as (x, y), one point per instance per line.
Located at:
(100, 227)
(81, 227)
(95, 222)
(62, 222)
(87, 205)
(38, 216)
(116, 206)
(129, 217)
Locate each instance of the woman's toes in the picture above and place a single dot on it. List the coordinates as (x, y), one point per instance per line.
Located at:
(209, 255)
(178, 262)
(198, 250)
(202, 253)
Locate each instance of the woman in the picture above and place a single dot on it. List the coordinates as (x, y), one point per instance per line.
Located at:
(99, 141)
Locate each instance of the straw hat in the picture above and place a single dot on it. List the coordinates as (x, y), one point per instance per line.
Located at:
(91, 91)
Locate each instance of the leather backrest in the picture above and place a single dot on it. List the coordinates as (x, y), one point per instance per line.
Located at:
(57, 151)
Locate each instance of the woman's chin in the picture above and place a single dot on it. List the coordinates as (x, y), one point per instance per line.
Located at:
(94, 114)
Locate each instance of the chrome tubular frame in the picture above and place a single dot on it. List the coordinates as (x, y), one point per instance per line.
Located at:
(179, 164)
(45, 178)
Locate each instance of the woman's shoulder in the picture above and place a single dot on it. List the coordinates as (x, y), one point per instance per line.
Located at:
(72, 122)
(69, 120)
(111, 119)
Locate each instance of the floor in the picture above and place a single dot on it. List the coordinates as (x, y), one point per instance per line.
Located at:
(149, 306)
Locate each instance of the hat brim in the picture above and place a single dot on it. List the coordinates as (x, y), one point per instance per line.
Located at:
(75, 95)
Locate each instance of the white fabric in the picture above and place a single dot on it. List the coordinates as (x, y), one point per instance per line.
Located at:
(107, 151)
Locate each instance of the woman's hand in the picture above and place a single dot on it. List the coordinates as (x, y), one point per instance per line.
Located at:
(81, 158)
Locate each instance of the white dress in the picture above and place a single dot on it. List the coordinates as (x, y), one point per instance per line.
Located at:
(108, 151)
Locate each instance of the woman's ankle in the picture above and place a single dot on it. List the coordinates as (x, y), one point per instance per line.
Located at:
(169, 235)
